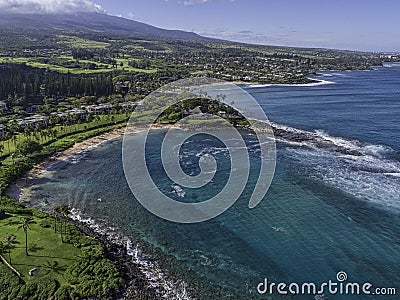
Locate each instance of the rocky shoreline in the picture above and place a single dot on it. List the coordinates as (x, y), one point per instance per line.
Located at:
(135, 284)
(143, 279)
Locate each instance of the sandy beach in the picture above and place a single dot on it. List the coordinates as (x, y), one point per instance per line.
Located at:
(16, 189)
(143, 278)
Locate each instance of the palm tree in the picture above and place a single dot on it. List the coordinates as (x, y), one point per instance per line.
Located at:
(25, 225)
(14, 140)
(1, 248)
(8, 244)
(62, 211)
(54, 266)
(8, 139)
(55, 211)
(57, 214)
(54, 133)
(65, 211)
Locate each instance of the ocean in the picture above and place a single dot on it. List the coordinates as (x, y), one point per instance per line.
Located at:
(333, 206)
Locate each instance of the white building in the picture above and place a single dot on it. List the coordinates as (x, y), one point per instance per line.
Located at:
(3, 129)
(3, 106)
(32, 121)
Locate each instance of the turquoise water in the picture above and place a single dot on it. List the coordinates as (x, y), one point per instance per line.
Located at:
(333, 206)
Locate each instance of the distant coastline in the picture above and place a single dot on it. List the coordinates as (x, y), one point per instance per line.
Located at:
(316, 82)
(16, 190)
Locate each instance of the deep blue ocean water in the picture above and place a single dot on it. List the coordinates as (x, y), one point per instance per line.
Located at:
(329, 209)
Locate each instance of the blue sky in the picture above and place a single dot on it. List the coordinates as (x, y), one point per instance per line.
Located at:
(345, 24)
(352, 24)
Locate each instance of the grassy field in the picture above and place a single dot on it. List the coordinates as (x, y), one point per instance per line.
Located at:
(46, 249)
(141, 46)
(30, 62)
(72, 267)
(102, 68)
(77, 42)
(128, 68)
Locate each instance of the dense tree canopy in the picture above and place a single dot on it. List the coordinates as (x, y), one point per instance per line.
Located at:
(33, 84)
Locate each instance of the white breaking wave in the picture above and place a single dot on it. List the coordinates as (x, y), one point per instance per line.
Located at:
(155, 276)
(321, 139)
(349, 144)
(377, 150)
(319, 82)
(327, 75)
(347, 175)
(357, 169)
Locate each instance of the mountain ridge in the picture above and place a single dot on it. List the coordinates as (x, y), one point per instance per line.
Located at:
(89, 22)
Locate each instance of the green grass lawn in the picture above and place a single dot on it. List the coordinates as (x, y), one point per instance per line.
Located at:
(128, 68)
(62, 130)
(45, 249)
(77, 42)
(74, 267)
(30, 62)
(102, 68)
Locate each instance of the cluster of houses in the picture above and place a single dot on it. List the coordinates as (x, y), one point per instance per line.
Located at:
(395, 57)
(31, 121)
(37, 52)
(81, 113)
(262, 69)
(86, 110)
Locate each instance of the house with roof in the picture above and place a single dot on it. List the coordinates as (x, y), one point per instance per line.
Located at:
(3, 129)
(3, 106)
(32, 121)
(198, 110)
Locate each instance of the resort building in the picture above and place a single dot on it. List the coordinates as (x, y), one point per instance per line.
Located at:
(3, 129)
(3, 106)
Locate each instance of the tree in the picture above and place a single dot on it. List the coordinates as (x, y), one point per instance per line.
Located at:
(28, 147)
(8, 244)
(2, 212)
(54, 266)
(62, 211)
(2, 250)
(25, 225)
(1, 162)
(55, 211)
(57, 214)
(65, 211)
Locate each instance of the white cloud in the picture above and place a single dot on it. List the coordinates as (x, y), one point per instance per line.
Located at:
(245, 36)
(131, 15)
(194, 2)
(283, 37)
(49, 6)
